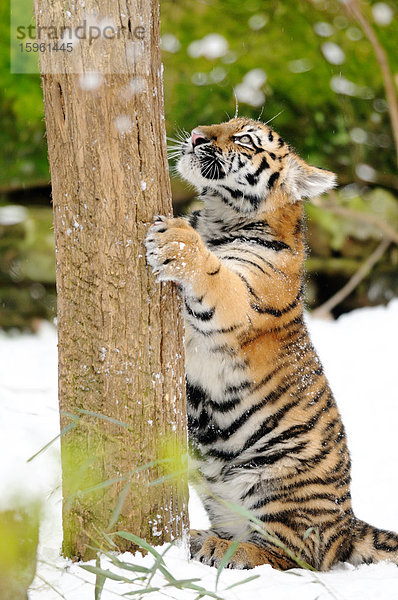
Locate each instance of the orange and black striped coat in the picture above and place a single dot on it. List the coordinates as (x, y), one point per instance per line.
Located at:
(264, 427)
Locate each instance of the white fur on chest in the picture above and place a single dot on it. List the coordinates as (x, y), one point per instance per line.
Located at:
(212, 371)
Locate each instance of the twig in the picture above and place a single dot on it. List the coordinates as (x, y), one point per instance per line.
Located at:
(389, 232)
(352, 283)
(50, 586)
(353, 8)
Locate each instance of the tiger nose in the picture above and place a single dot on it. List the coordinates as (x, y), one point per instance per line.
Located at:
(198, 138)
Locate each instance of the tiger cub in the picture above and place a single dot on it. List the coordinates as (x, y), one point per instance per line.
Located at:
(263, 422)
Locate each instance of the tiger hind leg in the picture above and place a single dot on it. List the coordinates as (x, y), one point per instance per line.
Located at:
(210, 549)
(371, 544)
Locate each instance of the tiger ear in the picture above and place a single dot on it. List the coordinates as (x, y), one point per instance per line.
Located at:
(304, 181)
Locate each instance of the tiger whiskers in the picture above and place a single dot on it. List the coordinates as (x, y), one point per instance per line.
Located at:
(179, 139)
(212, 167)
(182, 135)
(236, 105)
(208, 164)
(272, 118)
(212, 162)
(174, 151)
(261, 112)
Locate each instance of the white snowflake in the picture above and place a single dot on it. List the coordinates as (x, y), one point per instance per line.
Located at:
(123, 123)
(170, 43)
(382, 13)
(90, 81)
(323, 29)
(333, 53)
(211, 46)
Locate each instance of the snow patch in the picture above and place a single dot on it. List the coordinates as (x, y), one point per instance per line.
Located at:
(358, 352)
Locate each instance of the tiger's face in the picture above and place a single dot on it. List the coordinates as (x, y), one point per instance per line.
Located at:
(244, 162)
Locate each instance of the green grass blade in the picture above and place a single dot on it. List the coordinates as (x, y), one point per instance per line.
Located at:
(110, 482)
(127, 566)
(139, 542)
(103, 418)
(182, 582)
(203, 592)
(108, 539)
(232, 548)
(167, 477)
(119, 505)
(242, 582)
(106, 573)
(143, 591)
(50, 586)
(312, 530)
(159, 563)
(63, 432)
(99, 581)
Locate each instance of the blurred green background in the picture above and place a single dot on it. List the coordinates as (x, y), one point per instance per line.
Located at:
(307, 62)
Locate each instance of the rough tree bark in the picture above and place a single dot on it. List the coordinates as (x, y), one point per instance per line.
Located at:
(120, 334)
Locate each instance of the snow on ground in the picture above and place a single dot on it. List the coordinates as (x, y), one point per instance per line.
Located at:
(359, 355)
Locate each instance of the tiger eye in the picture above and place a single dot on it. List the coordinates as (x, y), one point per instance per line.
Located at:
(245, 139)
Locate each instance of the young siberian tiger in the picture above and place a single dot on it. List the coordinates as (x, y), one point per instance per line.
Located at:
(262, 418)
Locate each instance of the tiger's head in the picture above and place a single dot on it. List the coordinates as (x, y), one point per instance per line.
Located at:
(246, 164)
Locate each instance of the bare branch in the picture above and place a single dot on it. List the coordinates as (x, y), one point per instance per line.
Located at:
(353, 282)
(354, 9)
(388, 231)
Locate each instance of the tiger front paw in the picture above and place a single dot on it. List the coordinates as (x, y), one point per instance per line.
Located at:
(174, 249)
(210, 549)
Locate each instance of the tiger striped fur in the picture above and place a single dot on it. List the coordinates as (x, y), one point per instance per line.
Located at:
(263, 423)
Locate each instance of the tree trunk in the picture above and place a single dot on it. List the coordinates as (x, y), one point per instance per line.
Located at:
(121, 378)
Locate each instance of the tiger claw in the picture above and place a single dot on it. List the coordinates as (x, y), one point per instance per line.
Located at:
(159, 218)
